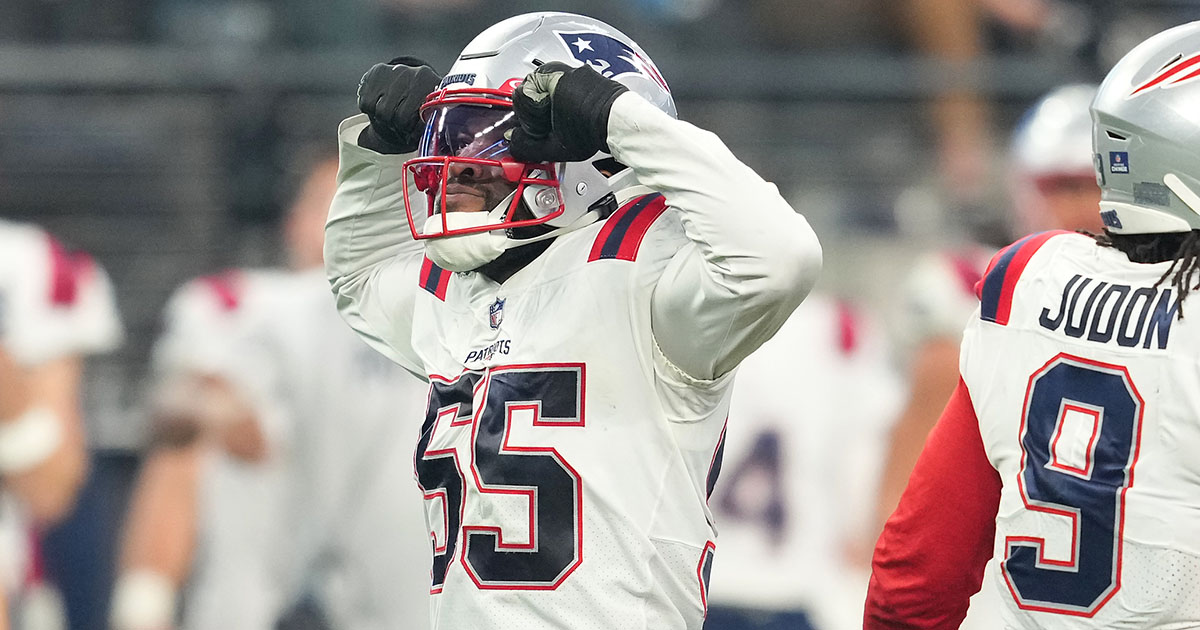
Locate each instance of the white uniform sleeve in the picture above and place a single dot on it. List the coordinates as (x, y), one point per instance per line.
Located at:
(752, 258)
(371, 259)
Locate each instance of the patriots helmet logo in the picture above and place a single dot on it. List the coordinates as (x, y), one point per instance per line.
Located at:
(1178, 71)
(609, 56)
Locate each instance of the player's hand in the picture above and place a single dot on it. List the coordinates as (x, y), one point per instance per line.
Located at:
(391, 94)
(562, 113)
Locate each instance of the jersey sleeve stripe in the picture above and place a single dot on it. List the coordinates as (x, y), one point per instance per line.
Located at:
(1000, 280)
(67, 273)
(225, 288)
(434, 279)
(623, 232)
(714, 466)
(966, 270)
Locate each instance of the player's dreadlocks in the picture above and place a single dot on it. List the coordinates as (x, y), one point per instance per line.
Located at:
(1181, 248)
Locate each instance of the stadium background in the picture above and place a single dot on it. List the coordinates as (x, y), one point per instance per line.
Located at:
(165, 137)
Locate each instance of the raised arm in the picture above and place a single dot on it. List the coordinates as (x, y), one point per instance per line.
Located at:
(930, 558)
(752, 259)
(371, 259)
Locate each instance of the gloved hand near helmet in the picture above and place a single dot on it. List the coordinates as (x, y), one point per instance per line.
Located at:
(391, 95)
(563, 113)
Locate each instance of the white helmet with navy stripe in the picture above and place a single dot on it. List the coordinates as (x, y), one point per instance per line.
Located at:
(1146, 136)
(477, 94)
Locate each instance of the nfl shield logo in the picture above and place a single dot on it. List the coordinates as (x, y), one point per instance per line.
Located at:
(496, 313)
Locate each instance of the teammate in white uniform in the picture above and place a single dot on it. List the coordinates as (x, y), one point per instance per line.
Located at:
(56, 306)
(807, 426)
(1052, 184)
(274, 477)
(1068, 448)
(580, 367)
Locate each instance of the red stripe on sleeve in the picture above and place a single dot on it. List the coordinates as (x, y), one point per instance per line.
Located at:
(847, 320)
(605, 233)
(930, 558)
(632, 240)
(426, 265)
(67, 273)
(967, 271)
(226, 287)
(1013, 273)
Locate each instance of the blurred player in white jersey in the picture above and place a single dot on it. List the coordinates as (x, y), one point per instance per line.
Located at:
(579, 274)
(1068, 449)
(807, 427)
(1052, 185)
(56, 307)
(282, 473)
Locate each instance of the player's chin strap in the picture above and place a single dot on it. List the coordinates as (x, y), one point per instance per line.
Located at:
(467, 252)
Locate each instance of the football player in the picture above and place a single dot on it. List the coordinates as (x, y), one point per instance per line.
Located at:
(1052, 185)
(578, 274)
(807, 426)
(1067, 448)
(56, 307)
(280, 470)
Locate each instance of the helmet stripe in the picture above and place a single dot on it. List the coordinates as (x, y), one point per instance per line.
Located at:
(1167, 73)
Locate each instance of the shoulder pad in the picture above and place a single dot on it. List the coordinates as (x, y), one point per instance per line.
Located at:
(434, 279)
(623, 232)
(995, 290)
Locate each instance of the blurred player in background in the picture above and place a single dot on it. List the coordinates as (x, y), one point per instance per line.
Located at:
(615, 265)
(281, 481)
(807, 426)
(1078, 367)
(56, 307)
(1053, 185)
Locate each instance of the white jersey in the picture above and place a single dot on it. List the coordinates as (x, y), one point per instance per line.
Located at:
(1084, 384)
(938, 294)
(239, 505)
(565, 459)
(939, 300)
(809, 420)
(202, 318)
(332, 513)
(53, 303)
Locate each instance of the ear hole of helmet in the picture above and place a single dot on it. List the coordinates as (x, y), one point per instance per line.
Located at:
(608, 166)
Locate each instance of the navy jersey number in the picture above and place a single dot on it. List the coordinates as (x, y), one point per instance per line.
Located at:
(540, 396)
(1079, 442)
(753, 491)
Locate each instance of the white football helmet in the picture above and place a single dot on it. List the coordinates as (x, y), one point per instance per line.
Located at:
(1052, 149)
(467, 117)
(1147, 136)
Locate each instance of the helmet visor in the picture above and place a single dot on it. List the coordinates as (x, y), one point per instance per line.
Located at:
(464, 165)
(468, 131)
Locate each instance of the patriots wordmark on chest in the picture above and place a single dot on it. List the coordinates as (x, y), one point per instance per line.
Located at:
(1103, 312)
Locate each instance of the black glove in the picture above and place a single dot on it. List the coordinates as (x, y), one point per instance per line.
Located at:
(563, 113)
(391, 94)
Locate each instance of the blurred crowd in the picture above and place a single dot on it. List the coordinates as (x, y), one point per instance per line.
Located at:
(239, 459)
